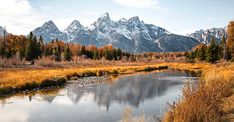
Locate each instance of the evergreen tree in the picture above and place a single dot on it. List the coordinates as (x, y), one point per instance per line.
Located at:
(57, 55)
(83, 50)
(42, 45)
(3, 45)
(223, 48)
(212, 52)
(190, 56)
(201, 53)
(58, 46)
(96, 55)
(115, 54)
(2, 49)
(89, 54)
(119, 53)
(37, 48)
(8, 54)
(31, 50)
(46, 50)
(57, 40)
(108, 55)
(22, 53)
(67, 54)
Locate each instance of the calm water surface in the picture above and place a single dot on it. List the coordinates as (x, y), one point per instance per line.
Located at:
(103, 102)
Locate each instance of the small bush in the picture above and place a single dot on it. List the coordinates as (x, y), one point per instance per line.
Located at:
(53, 82)
(115, 72)
(30, 86)
(99, 73)
(4, 91)
(89, 73)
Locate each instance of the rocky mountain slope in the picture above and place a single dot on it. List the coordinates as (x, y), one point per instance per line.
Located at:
(132, 35)
(49, 31)
(204, 36)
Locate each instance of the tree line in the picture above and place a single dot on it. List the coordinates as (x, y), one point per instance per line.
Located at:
(31, 48)
(214, 51)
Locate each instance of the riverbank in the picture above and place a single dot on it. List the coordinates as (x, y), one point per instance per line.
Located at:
(13, 80)
(17, 80)
(211, 100)
(214, 94)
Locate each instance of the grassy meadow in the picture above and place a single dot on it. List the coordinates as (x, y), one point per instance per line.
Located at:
(28, 79)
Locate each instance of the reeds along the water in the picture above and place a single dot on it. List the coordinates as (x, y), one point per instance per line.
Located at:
(204, 102)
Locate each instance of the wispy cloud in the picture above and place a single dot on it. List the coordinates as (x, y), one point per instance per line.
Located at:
(152, 4)
(18, 16)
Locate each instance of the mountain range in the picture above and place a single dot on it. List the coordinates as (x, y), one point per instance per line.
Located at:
(132, 35)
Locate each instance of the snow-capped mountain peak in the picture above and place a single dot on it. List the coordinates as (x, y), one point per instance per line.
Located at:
(49, 25)
(49, 31)
(102, 25)
(105, 16)
(131, 35)
(74, 26)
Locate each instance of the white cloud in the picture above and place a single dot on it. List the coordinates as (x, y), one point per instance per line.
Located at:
(152, 4)
(18, 16)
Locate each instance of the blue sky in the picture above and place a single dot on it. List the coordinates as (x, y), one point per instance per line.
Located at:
(177, 16)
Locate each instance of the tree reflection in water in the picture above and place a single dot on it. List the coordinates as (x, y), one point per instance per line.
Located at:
(130, 90)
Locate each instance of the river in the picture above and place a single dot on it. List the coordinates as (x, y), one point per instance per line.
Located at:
(145, 93)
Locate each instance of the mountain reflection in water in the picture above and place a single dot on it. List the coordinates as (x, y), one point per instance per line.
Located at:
(130, 90)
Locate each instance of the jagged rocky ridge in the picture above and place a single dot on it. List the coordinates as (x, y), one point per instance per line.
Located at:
(205, 36)
(131, 35)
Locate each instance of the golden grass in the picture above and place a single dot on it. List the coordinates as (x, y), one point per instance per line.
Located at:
(189, 66)
(31, 78)
(18, 78)
(210, 101)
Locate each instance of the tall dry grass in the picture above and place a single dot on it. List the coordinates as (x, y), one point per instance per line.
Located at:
(205, 102)
(20, 77)
(127, 116)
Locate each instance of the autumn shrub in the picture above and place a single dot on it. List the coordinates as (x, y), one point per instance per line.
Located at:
(203, 102)
(46, 62)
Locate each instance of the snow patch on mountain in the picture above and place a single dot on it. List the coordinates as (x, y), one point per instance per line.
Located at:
(132, 35)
